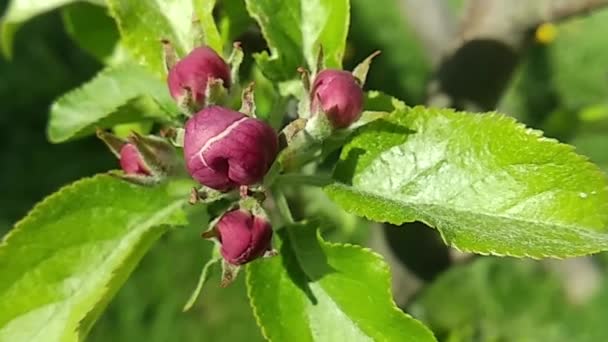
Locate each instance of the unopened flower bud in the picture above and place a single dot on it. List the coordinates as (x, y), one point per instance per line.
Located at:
(338, 94)
(132, 162)
(243, 236)
(193, 73)
(224, 148)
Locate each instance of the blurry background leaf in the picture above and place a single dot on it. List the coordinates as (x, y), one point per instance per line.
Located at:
(125, 93)
(62, 263)
(402, 69)
(203, 10)
(510, 300)
(325, 291)
(488, 184)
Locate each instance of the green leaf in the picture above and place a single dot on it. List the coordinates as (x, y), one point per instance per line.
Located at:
(92, 28)
(20, 11)
(326, 292)
(206, 273)
(142, 25)
(487, 183)
(295, 29)
(211, 35)
(64, 261)
(120, 94)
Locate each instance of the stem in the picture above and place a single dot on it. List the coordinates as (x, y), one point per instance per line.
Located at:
(283, 206)
(303, 179)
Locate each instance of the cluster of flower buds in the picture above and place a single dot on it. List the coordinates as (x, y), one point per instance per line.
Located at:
(231, 152)
(225, 150)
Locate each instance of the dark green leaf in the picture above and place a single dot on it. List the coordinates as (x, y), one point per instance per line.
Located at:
(64, 261)
(327, 292)
(487, 183)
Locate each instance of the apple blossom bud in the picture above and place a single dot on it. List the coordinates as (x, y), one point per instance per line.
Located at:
(224, 148)
(131, 161)
(193, 73)
(338, 95)
(243, 236)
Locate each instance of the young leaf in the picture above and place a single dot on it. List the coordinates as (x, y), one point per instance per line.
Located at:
(487, 183)
(20, 11)
(296, 29)
(204, 12)
(120, 94)
(327, 292)
(142, 25)
(64, 261)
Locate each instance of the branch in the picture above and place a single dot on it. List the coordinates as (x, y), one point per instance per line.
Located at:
(433, 23)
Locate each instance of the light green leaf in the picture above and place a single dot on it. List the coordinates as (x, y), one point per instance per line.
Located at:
(120, 94)
(142, 25)
(295, 29)
(20, 11)
(62, 264)
(326, 292)
(92, 28)
(487, 183)
(211, 35)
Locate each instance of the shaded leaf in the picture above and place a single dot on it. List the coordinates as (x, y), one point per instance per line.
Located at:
(328, 292)
(488, 184)
(64, 261)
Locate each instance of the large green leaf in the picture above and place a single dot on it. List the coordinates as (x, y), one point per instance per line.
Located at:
(120, 94)
(508, 300)
(487, 183)
(20, 11)
(142, 25)
(320, 291)
(295, 29)
(93, 29)
(62, 263)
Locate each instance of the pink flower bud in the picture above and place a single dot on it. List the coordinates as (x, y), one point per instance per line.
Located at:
(131, 161)
(244, 237)
(194, 72)
(338, 94)
(224, 149)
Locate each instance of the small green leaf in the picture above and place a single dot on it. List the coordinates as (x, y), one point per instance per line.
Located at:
(211, 35)
(120, 94)
(326, 292)
(295, 29)
(214, 262)
(142, 25)
(64, 261)
(92, 28)
(20, 11)
(487, 183)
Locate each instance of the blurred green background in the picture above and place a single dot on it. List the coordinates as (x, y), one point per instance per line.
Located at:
(561, 87)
